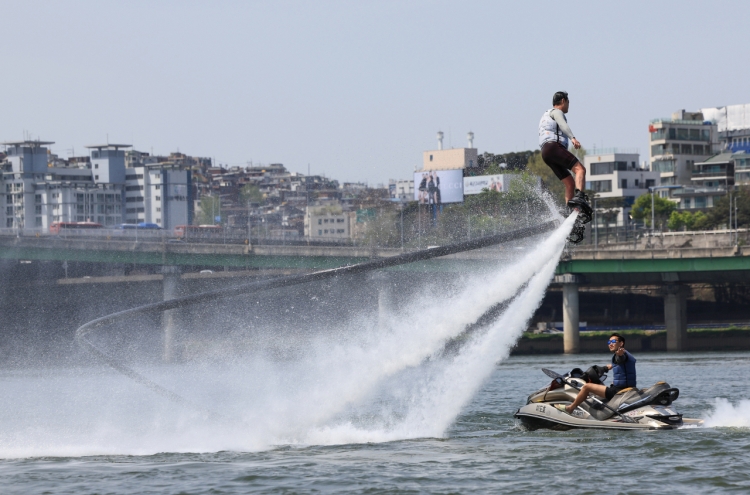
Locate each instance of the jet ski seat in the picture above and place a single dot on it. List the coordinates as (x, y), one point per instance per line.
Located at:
(631, 398)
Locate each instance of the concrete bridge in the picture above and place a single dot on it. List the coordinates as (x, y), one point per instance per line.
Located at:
(670, 262)
(672, 265)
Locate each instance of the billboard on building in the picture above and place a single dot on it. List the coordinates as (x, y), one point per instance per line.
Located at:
(439, 186)
(475, 185)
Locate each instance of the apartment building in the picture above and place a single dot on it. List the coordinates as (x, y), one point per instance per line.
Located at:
(159, 193)
(613, 173)
(401, 189)
(677, 144)
(713, 178)
(35, 194)
(327, 222)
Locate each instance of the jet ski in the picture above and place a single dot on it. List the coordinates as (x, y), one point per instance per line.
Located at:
(630, 409)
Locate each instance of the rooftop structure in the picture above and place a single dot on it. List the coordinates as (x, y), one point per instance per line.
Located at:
(454, 158)
(733, 124)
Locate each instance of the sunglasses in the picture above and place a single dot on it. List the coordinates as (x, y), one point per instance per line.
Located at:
(612, 341)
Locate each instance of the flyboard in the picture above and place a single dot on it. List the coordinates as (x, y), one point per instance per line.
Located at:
(580, 203)
(425, 254)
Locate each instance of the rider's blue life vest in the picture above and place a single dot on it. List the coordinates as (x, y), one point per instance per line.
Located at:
(624, 374)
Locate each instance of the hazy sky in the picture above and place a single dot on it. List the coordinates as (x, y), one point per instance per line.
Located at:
(358, 89)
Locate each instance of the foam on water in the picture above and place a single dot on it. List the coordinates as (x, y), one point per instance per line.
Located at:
(388, 381)
(725, 414)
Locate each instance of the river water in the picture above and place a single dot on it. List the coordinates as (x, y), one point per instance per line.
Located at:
(419, 399)
(482, 450)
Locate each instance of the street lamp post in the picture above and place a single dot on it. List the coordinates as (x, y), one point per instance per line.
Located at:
(653, 190)
(402, 224)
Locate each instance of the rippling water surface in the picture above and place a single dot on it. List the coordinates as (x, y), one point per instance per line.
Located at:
(483, 450)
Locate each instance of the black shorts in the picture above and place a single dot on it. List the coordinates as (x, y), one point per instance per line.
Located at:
(611, 391)
(559, 159)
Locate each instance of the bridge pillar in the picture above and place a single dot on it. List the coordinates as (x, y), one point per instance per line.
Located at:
(170, 287)
(571, 332)
(675, 317)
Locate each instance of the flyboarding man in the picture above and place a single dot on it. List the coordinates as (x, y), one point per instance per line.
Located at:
(554, 133)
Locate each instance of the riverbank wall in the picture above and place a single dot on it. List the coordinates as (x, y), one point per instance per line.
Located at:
(698, 341)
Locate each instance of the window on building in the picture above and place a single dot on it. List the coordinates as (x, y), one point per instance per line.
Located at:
(96, 177)
(38, 221)
(663, 166)
(658, 149)
(623, 183)
(599, 185)
(687, 149)
(37, 198)
(158, 198)
(320, 221)
(320, 232)
(602, 168)
(96, 165)
(700, 201)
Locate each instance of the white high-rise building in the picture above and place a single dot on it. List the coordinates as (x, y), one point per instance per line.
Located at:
(34, 194)
(159, 193)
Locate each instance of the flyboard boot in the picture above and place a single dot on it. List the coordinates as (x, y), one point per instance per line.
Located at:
(580, 203)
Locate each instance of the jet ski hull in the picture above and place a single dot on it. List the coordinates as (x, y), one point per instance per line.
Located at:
(545, 416)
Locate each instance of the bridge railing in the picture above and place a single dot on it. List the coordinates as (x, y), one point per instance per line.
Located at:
(628, 238)
(227, 236)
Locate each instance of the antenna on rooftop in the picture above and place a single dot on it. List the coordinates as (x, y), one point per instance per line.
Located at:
(440, 140)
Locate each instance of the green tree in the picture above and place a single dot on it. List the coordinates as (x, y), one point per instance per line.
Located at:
(700, 221)
(718, 216)
(210, 207)
(680, 220)
(663, 209)
(251, 193)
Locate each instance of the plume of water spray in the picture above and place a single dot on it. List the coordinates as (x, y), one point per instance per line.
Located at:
(727, 415)
(313, 399)
(350, 372)
(443, 389)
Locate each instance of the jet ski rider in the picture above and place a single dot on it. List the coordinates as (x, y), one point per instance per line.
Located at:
(623, 368)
